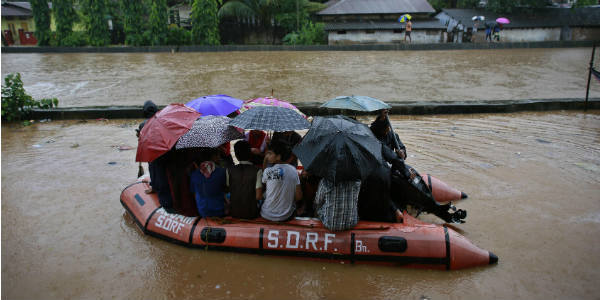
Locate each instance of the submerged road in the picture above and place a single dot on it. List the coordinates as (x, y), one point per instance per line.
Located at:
(532, 179)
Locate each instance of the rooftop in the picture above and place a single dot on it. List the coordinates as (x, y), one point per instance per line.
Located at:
(358, 7)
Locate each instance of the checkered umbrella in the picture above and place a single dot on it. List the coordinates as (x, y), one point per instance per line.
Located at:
(209, 132)
(272, 118)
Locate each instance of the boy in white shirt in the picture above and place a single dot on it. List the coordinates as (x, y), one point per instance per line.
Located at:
(282, 185)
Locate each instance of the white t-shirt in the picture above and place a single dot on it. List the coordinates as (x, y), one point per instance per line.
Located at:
(281, 181)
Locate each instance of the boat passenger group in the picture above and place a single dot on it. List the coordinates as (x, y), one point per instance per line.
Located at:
(268, 182)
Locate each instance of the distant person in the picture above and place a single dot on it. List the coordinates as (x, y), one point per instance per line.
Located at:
(244, 181)
(207, 183)
(488, 32)
(289, 139)
(474, 31)
(497, 29)
(282, 185)
(408, 31)
(336, 204)
(383, 132)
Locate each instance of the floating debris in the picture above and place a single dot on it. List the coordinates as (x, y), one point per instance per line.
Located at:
(543, 141)
(50, 141)
(37, 146)
(75, 145)
(123, 147)
(112, 162)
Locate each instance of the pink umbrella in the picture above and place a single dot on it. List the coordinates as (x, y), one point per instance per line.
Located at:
(503, 21)
(268, 101)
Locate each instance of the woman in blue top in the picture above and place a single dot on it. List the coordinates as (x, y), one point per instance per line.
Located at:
(207, 183)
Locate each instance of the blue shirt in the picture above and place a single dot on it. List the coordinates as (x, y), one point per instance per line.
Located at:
(209, 192)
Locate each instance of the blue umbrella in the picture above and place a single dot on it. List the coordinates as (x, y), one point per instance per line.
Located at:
(359, 103)
(216, 105)
(404, 18)
(270, 118)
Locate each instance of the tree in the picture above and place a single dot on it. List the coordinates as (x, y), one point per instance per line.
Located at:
(41, 16)
(582, 3)
(65, 15)
(205, 22)
(513, 6)
(158, 22)
(261, 11)
(96, 22)
(133, 11)
(293, 15)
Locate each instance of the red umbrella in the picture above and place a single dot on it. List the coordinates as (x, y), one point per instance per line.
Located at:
(163, 130)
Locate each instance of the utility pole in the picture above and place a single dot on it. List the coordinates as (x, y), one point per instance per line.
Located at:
(587, 91)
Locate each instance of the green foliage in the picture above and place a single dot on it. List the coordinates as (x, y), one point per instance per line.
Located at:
(514, 6)
(310, 34)
(205, 22)
(96, 21)
(262, 11)
(582, 3)
(65, 16)
(133, 13)
(16, 103)
(158, 22)
(41, 16)
(178, 36)
(291, 17)
(75, 39)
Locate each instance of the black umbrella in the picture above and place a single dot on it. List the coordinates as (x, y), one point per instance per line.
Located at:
(339, 148)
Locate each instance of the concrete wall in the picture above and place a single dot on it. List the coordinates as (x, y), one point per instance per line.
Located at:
(530, 35)
(383, 36)
(585, 33)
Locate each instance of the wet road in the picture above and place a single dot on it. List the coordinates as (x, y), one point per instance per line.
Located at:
(92, 79)
(533, 181)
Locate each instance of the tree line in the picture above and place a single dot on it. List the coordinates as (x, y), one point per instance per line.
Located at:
(146, 22)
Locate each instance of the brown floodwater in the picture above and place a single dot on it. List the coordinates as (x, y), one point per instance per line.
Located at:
(533, 181)
(86, 79)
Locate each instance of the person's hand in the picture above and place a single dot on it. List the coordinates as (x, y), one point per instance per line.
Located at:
(255, 151)
(401, 153)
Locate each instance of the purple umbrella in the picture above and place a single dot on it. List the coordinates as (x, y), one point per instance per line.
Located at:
(216, 105)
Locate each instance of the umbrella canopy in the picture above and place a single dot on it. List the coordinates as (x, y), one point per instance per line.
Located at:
(216, 105)
(252, 104)
(359, 103)
(163, 130)
(478, 18)
(270, 118)
(404, 18)
(209, 132)
(502, 21)
(339, 148)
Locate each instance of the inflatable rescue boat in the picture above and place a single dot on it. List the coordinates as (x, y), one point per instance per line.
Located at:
(409, 243)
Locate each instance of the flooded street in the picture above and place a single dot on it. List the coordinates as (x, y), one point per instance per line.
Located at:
(533, 181)
(94, 79)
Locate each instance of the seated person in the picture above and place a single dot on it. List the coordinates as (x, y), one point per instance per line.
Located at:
(282, 185)
(207, 183)
(258, 141)
(290, 139)
(336, 204)
(244, 181)
(383, 132)
(374, 201)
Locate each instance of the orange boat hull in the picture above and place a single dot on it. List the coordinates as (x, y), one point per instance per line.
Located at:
(442, 192)
(411, 243)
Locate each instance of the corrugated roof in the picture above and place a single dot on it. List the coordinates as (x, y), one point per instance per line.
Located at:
(16, 9)
(546, 17)
(428, 24)
(360, 7)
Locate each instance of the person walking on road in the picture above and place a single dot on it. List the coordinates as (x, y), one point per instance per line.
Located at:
(408, 31)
